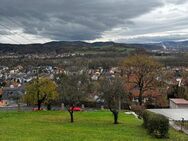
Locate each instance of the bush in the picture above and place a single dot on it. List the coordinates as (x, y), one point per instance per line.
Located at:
(146, 116)
(138, 110)
(156, 124)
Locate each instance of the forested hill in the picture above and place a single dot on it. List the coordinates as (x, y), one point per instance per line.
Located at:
(65, 46)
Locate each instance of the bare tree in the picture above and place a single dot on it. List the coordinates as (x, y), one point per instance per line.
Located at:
(141, 71)
(113, 93)
(74, 89)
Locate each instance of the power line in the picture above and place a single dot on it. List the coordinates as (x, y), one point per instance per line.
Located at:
(16, 33)
(12, 39)
(19, 25)
(15, 22)
(12, 21)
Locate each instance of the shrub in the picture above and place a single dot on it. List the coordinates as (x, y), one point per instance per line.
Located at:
(156, 124)
(146, 115)
(138, 110)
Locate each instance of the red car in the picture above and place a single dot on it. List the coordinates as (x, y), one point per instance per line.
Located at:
(36, 109)
(75, 109)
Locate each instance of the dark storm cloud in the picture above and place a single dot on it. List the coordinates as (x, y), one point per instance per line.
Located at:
(72, 19)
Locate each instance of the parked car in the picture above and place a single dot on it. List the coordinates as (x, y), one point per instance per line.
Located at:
(75, 108)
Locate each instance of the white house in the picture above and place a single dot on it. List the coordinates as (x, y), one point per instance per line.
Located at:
(178, 103)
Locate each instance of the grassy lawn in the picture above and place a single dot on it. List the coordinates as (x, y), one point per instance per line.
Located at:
(88, 126)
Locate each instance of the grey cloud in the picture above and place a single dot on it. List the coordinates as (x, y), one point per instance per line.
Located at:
(71, 19)
(4, 32)
(175, 37)
(175, 1)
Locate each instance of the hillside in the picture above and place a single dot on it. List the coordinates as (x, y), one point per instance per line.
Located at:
(59, 47)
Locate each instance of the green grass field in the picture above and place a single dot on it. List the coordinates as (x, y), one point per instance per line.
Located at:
(88, 126)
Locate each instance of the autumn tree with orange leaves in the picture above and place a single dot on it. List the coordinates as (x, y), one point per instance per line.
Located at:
(144, 69)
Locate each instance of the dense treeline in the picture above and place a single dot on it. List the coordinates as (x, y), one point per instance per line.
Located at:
(63, 47)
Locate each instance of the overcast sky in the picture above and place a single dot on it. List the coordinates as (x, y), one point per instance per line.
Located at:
(139, 21)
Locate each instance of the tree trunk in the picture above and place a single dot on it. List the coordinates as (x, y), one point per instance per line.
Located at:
(18, 107)
(115, 113)
(140, 98)
(39, 104)
(49, 107)
(72, 116)
(40, 101)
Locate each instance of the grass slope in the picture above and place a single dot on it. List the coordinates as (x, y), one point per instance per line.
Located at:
(88, 126)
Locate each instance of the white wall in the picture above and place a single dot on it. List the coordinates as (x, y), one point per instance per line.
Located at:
(175, 106)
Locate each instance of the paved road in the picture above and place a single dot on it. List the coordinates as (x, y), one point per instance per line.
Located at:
(178, 128)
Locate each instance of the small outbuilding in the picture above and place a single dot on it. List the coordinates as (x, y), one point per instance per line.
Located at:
(178, 103)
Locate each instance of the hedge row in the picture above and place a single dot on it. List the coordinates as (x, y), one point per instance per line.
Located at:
(156, 124)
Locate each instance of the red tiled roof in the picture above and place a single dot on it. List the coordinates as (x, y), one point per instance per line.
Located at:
(135, 91)
(179, 101)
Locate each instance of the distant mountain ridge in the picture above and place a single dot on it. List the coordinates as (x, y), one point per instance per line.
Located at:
(69, 46)
(173, 44)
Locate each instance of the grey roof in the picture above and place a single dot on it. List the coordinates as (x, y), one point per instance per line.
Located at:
(12, 92)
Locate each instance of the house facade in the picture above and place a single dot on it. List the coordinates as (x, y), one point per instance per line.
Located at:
(178, 103)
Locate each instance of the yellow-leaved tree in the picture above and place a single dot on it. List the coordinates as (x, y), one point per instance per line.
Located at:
(41, 90)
